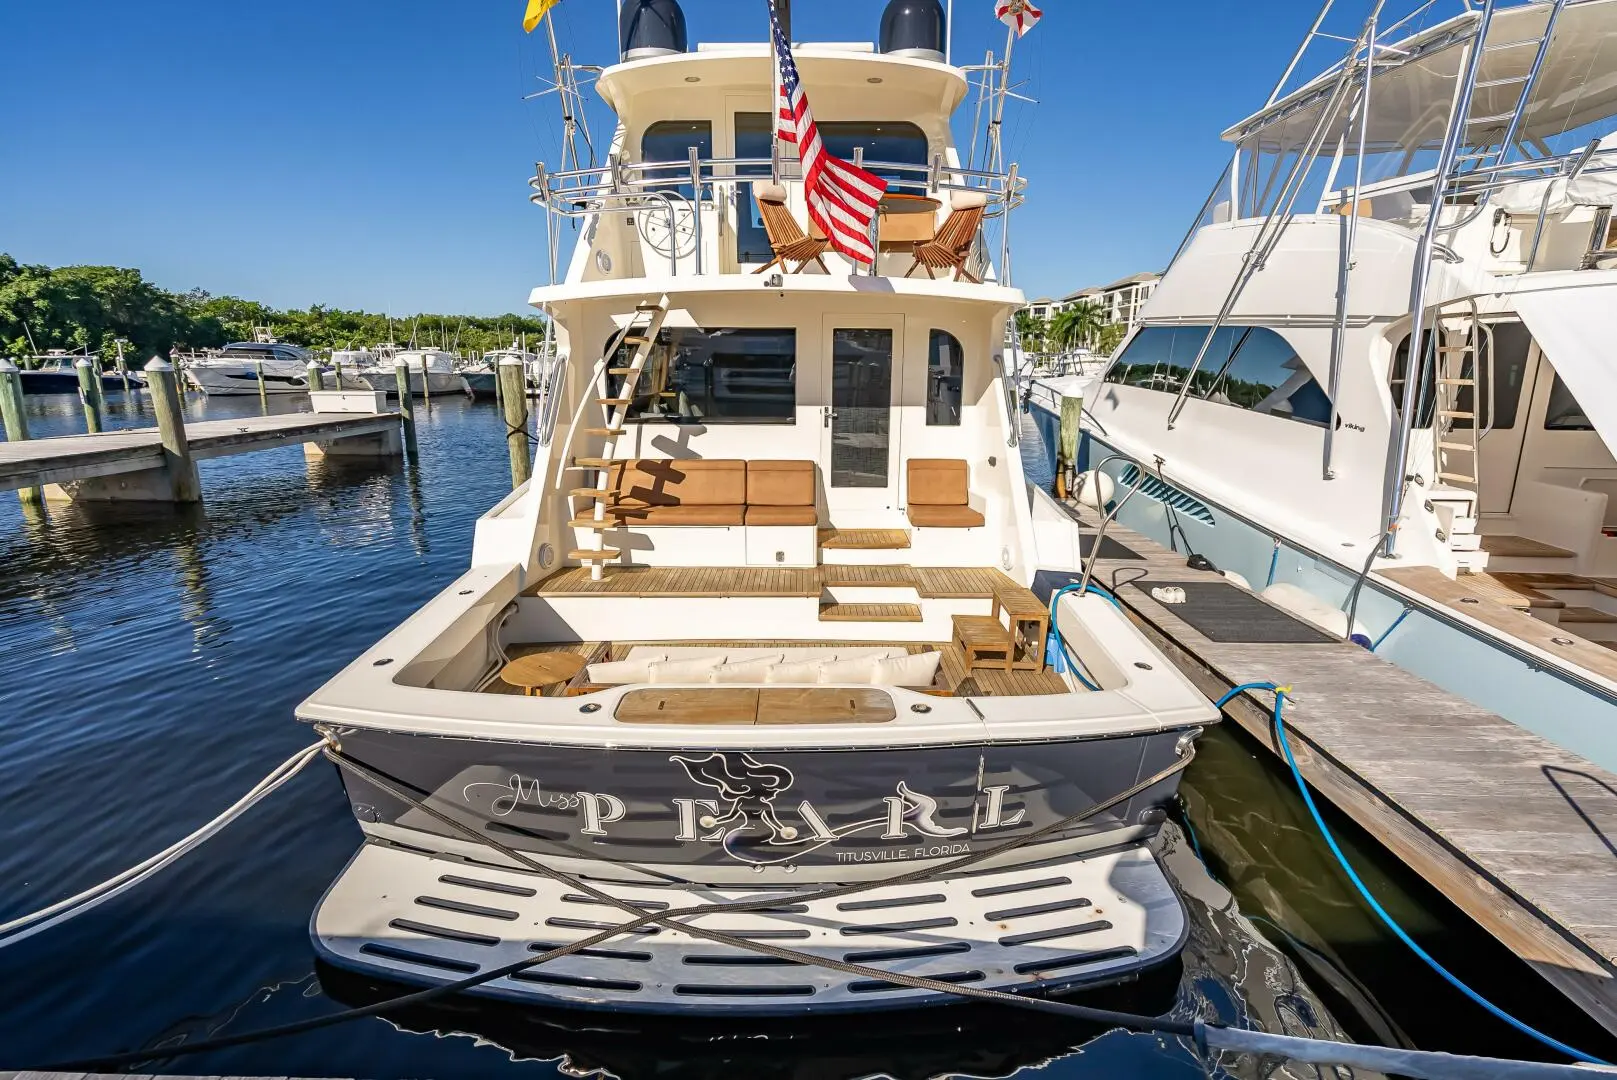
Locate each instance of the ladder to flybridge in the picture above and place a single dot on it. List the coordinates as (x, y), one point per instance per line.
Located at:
(639, 332)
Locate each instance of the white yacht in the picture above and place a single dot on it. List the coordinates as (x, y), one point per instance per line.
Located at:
(1457, 191)
(434, 369)
(237, 369)
(761, 631)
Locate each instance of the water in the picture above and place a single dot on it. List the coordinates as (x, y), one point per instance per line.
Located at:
(154, 660)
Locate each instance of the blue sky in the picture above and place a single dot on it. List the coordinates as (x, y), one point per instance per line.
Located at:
(375, 154)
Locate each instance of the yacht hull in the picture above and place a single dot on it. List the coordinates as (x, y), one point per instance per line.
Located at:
(241, 380)
(666, 829)
(438, 382)
(1473, 662)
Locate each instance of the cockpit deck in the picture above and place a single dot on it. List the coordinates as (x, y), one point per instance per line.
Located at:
(847, 595)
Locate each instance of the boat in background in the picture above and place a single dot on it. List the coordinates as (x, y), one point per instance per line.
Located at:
(1458, 513)
(237, 369)
(56, 372)
(438, 366)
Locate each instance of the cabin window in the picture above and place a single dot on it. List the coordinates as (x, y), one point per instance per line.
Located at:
(945, 376)
(1250, 367)
(1564, 412)
(671, 140)
(1159, 357)
(1267, 376)
(891, 141)
(716, 376)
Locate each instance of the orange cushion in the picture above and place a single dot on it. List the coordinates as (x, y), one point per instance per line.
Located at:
(782, 515)
(944, 517)
(632, 516)
(938, 482)
(780, 483)
(685, 482)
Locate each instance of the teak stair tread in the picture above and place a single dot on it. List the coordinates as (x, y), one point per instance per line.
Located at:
(591, 523)
(614, 401)
(870, 613)
(597, 462)
(864, 539)
(982, 631)
(1586, 615)
(606, 432)
(1505, 589)
(604, 555)
(1506, 546)
(1562, 582)
(591, 493)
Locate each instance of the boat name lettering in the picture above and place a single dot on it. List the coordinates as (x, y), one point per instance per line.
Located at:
(743, 819)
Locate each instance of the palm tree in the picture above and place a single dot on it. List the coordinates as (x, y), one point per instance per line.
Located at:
(1032, 331)
(1078, 325)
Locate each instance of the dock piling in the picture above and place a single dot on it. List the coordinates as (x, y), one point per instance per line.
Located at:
(1072, 409)
(316, 378)
(89, 394)
(162, 382)
(401, 373)
(426, 389)
(514, 401)
(16, 421)
(263, 390)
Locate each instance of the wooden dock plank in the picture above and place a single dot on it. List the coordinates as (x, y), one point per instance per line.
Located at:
(67, 458)
(1464, 797)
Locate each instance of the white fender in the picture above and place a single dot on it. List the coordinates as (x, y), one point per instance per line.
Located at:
(1094, 489)
(1305, 605)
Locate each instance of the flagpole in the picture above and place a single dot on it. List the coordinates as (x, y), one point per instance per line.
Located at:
(948, 34)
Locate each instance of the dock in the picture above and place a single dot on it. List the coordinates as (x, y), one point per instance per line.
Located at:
(133, 465)
(1516, 832)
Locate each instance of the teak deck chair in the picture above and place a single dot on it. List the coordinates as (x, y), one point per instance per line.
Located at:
(952, 247)
(786, 237)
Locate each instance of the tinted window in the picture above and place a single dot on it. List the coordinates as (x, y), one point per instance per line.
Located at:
(1509, 343)
(945, 372)
(720, 376)
(754, 139)
(895, 142)
(671, 140)
(1267, 376)
(1564, 412)
(1159, 357)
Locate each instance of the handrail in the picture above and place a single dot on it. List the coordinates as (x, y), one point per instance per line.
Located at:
(1109, 515)
(667, 198)
(1004, 190)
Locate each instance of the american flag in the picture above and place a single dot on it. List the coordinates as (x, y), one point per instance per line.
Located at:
(841, 198)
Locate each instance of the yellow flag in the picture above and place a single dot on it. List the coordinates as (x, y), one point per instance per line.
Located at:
(536, 11)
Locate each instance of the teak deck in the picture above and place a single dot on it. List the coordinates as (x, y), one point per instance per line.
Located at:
(1515, 831)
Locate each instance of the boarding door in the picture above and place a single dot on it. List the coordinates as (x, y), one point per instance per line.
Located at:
(860, 454)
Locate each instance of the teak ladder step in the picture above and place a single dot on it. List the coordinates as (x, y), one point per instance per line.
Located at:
(591, 523)
(593, 556)
(640, 333)
(834, 612)
(591, 493)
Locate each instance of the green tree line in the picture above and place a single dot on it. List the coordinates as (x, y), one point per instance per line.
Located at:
(79, 307)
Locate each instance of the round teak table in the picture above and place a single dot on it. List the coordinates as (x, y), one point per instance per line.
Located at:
(535, 672)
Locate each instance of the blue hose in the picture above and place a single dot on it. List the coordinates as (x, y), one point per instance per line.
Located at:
(1056, 653)
(1375, 906)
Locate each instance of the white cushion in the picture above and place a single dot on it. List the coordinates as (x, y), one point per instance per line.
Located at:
(800, 674)
(753, 670)
(968, 200)
(849, 671)
(769, 192)
(685, 671)
(634, 670)
(917, 670)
